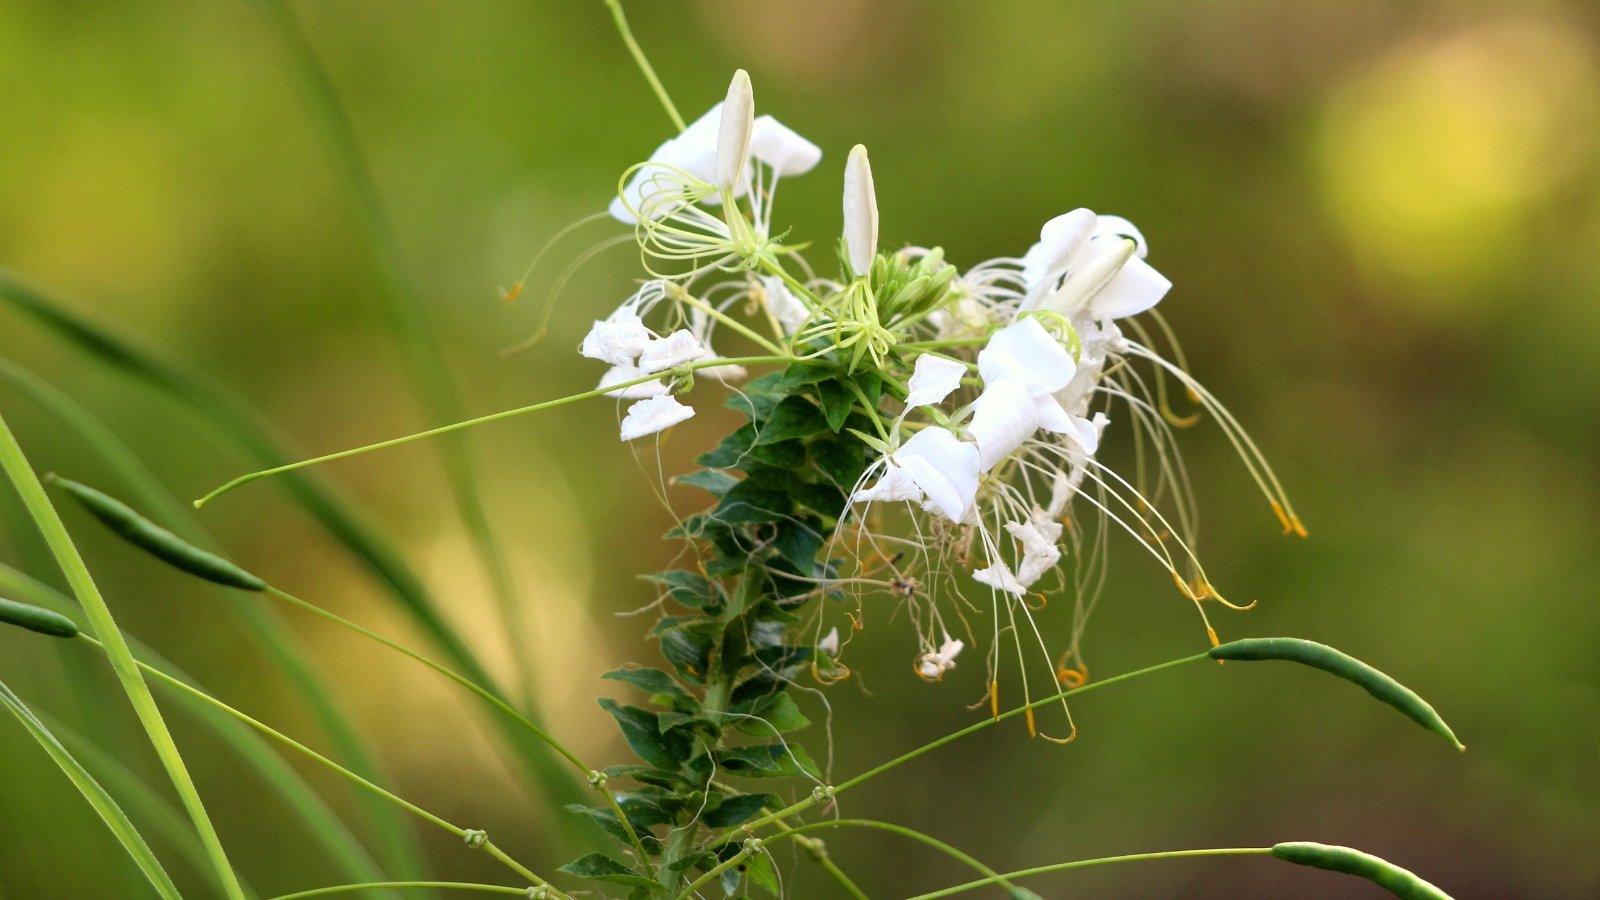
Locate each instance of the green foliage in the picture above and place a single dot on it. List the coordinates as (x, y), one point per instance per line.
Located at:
(720, 712)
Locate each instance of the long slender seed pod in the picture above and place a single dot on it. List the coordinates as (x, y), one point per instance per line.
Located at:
(1385, 874)
(37, 618)
(1336, 662)
(157, 541)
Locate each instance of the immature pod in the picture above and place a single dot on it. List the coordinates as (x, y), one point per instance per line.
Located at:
(1383, 873)
(1335, 662)
(37, 618)
(158, 541)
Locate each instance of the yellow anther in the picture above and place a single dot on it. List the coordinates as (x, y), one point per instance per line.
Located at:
(1283, 517)
(511, 294)
(994, 698)
(1212, 634)
(1299, 529)
(1033, 730)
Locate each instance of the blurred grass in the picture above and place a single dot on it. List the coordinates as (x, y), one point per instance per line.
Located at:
(1379, 218)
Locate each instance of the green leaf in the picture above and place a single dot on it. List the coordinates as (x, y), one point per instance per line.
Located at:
(601, 867)
(837, 402)
(758, 868)
(841, 460)
(793, 417)
(688, 588)
(776, 715)
(730, 450)
(641, 730)
(654, 682)
(688, 648)
(612, 826)
(798, 541)
(750, 502)
(801, 374)
(737, 808)
(768, 761)
(713, 481)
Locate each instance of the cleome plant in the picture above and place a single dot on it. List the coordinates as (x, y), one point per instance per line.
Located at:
(919, 442)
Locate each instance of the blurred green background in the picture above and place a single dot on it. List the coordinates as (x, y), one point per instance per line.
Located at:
(1381, 219)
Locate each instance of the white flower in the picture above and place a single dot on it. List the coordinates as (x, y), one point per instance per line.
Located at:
(619, 339)
(1003, 417)
(675, 349)
(685, 169)
(860, 212)
(652, 415)
(932, 379)
(1104, 277)
(932, 666)
(629, 372)
(932, 464)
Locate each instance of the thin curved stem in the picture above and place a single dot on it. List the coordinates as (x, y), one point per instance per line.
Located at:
(15, 463)
(488, 697)
(1086, 863)
(484, 420)
(402, 885)
(643, 63)
(475, 838)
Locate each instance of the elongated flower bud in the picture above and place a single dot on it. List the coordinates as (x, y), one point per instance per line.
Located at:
(36, 618)
(860, 212)
(733, 135)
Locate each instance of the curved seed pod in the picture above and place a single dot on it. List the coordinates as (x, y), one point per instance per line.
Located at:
(37, 618)
(157, 541)
(1383, 873)
(1336, 662)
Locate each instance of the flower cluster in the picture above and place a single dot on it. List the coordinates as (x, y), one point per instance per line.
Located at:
(991, 387)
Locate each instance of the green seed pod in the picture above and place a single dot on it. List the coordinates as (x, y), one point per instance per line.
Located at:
(1387, 875)
(37, 618)
(1335, 662)
(158, 541)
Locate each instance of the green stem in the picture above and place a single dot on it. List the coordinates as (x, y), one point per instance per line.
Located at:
(796, 832)
(820, 795)
(484, 420)
(403, 306)
(463, 833)
(725, 320)
(491, 699)
(401, 885)
(95, 609)
(1086, 863)
(818, 851)
(643, 63)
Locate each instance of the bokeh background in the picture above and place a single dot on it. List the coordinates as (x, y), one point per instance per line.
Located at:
(1382, 221)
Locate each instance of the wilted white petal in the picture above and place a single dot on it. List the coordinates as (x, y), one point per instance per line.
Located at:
(733, 131)
(618, 340)
(860, 212)
(653, 415)
(933, 379)
(783, 304)
(1116, 225)
(675, 349)
(945, 468)
(1039, 551)
(829, 645)
(932, 666)
(998, 576)
(1025, 353)
(628, 372)
(778, 146)
(1136, 288)
(1003, 417)
(895, 484)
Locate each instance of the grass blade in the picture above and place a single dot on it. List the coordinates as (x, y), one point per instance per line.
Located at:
(402, 854)
(106, 807)
(16, 466)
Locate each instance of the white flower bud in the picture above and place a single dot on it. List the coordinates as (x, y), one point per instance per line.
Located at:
(860, 212)
(733, 135)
